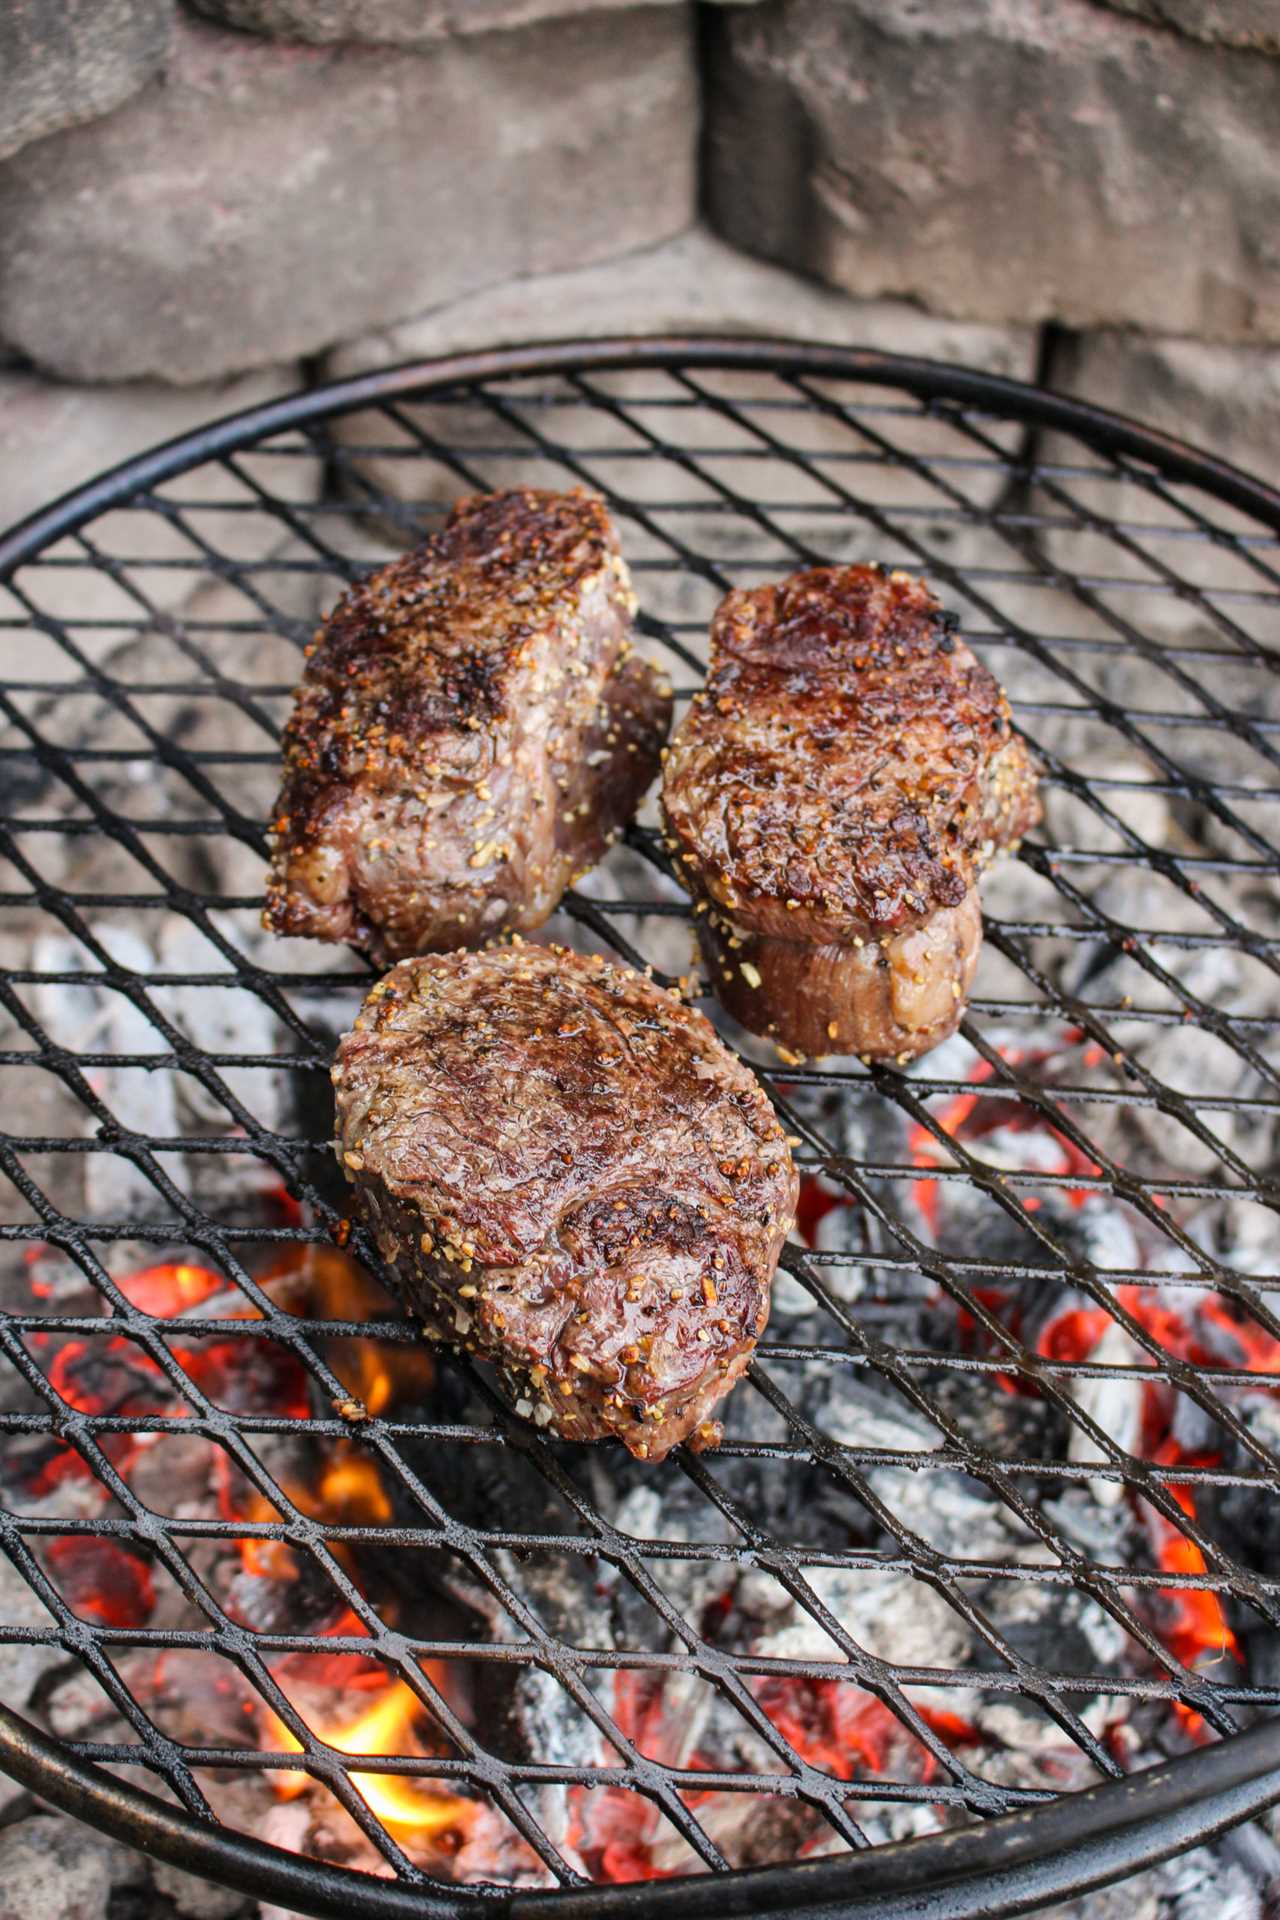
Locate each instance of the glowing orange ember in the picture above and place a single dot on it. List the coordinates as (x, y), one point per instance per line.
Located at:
(971, 1116)
(1202, 1328)
(814, 1203)
(1193, 1625)
(166, 1291)
(101, 1580)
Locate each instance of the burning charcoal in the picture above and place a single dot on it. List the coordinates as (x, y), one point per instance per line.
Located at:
(1007, 1426)
(1243, 1518)
(957, 1515)
(1055, 1628)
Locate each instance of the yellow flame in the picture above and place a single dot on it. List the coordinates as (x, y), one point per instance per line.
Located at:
(351, 1490)
(397, 1799)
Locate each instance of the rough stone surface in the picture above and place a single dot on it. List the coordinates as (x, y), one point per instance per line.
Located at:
(22, 1666)
(402, 23)
(692, 283)
(65, 61)
(1223, 399)
(54, 436)
(57, 1866)
(194, 1898)
(1132, 179)
(695, 282)
(265, 200)
(1233, 23)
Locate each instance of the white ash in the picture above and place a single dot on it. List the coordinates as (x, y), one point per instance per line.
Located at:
(162, 1102)
(663, 941)
(195, 1898)
(1137, 1898)
(955, 1514)
(94, 1018)
(1190, 1062)
(23, 1664)
(1105, 1534)
(891, 1616)
(51, 1865)
(1204, 1886)
(1114, 1404)
(1057, 1627)
(1024, 1748)
(1236, 1233)
(1141, 903)
(1071, 821)
(230, 1019)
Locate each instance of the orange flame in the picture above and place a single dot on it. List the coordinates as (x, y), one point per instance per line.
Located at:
(387, 1727)
(327, 1284)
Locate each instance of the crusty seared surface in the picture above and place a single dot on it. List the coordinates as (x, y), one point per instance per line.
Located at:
(571, 1176)
(841, 781)
(471, 730)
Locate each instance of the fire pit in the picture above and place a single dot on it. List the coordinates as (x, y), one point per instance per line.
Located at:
(979, 1603)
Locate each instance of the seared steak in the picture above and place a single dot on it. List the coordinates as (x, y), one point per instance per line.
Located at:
(571, 1176)
(471, 731)
(831, 797)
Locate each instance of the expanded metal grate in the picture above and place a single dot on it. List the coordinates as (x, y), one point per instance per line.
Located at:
(158, 1050)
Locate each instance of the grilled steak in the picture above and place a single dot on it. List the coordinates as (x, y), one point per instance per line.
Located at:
(832, 796)
(571, 1176)
(471, 731)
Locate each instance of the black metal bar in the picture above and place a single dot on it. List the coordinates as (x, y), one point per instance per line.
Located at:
(1055, 1852)
(933, 379)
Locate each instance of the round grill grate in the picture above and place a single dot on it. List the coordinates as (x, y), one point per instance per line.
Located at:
(991, 1521)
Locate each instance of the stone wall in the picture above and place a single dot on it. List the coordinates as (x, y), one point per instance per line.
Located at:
(205, 200)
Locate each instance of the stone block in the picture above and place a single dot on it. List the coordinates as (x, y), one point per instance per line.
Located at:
(54, 435)
(264, 200)
(401, 23)
(66, 61)
(1222, 399)
(1232, 23)
(1032, 160)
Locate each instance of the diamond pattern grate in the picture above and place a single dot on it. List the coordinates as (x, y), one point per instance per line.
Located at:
(166, 1072)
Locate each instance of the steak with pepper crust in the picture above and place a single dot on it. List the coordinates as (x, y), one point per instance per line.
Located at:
(831, 797)
(471, 731)
(571, 1176)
